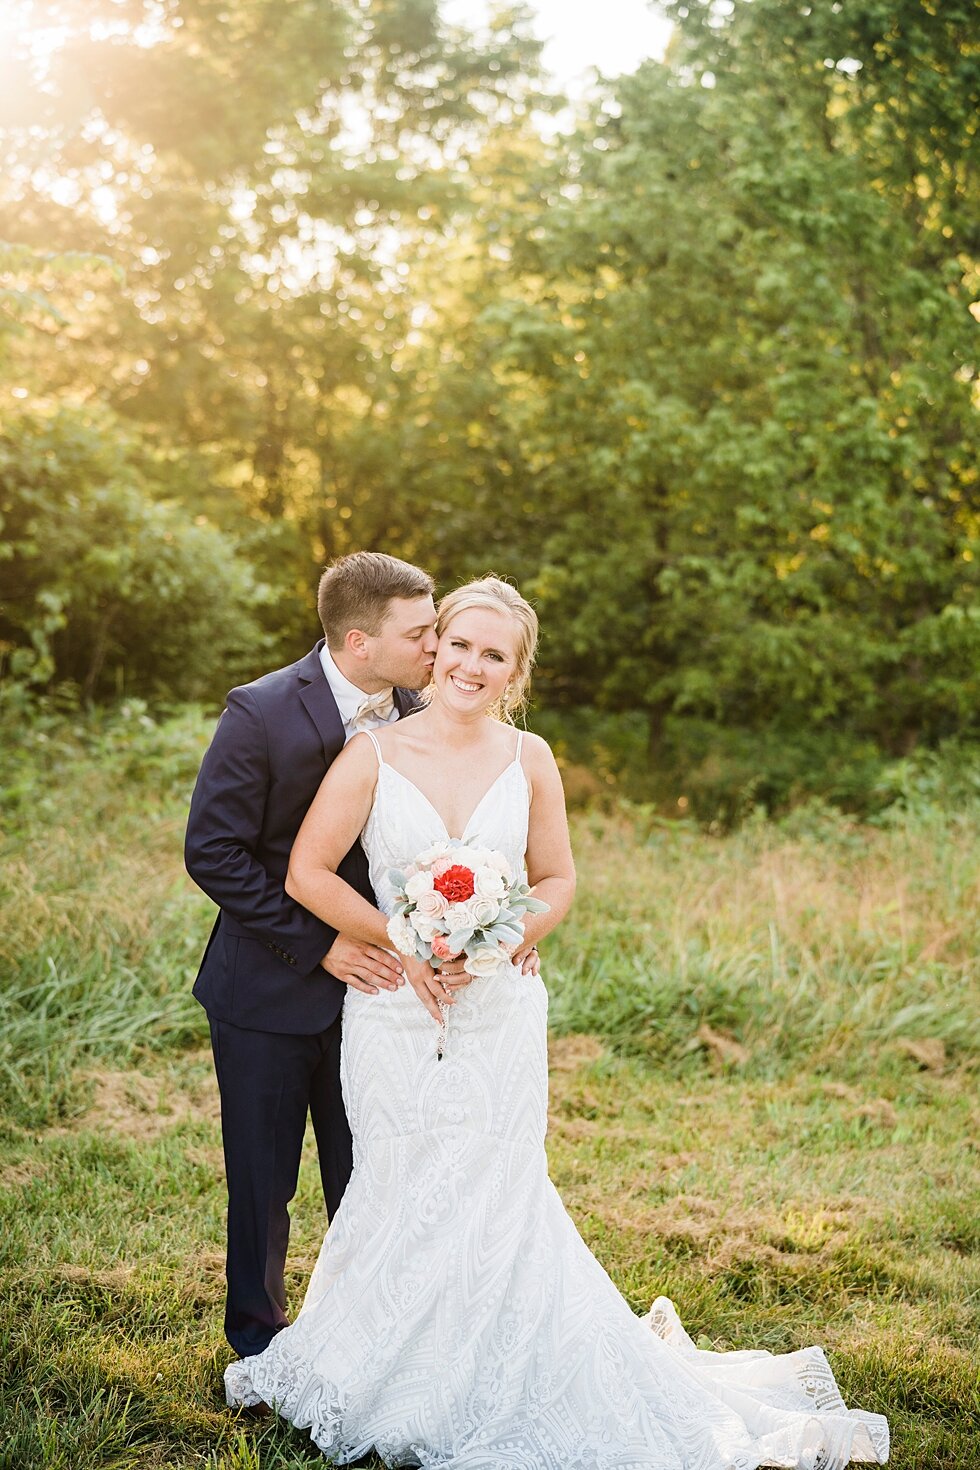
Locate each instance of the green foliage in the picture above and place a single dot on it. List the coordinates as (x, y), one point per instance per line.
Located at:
(699, 375)
(723, 775)
(742, 392)
(104, 585)
(32, 278)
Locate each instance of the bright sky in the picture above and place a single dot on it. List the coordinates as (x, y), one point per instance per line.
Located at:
(613, 36)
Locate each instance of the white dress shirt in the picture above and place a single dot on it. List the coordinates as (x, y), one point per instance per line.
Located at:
(349, 698)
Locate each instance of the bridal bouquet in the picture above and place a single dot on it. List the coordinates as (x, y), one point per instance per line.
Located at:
(455, 899)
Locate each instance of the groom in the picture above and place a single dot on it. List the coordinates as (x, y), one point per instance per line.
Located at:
(273, 976)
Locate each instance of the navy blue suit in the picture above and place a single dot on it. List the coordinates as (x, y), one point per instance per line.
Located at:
(274, 1012)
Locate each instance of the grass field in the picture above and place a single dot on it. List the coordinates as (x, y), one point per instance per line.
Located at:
(764, 1103)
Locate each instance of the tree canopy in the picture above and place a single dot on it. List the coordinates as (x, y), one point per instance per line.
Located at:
(286, 279)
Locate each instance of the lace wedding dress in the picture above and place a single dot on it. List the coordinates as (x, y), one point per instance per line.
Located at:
(455, 1318)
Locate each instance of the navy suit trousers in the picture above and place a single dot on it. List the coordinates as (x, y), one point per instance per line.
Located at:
(268, 1081)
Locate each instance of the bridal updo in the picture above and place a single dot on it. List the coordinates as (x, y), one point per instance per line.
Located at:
(491, 592)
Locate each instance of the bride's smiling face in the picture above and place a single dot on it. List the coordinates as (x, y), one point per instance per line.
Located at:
(476, 657)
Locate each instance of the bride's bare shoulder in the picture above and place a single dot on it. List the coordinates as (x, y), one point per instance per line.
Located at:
(536, 752)
(399, 735)
(358, 758)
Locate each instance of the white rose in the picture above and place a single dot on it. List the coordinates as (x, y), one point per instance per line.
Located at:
(418, 884)
(459, 916)
(402, 935)
(425, 928)
(488, 883)
(486, 960)
(473, 857)
(429, 854)
(431, 904)
(484, 910)
(499, 863)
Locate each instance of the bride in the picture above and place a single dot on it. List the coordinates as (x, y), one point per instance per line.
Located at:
(455, 1318)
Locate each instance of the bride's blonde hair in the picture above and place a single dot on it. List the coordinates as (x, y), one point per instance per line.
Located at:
(499, 596)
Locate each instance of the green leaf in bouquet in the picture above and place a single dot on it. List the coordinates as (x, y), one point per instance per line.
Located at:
(460, 939)
(397, 878)
(505, 934)
(535, 906)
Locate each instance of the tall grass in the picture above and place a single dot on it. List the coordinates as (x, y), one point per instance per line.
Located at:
(100, 930)
(812, 942)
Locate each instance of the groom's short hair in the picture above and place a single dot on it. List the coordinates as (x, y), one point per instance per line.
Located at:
(356, 590)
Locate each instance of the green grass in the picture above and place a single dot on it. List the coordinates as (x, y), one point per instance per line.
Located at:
(764, 1104)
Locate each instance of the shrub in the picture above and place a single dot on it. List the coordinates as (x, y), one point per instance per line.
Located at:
(105, 586)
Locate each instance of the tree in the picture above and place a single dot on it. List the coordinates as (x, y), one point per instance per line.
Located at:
(263, 172)
(103, 585)
(733, 372)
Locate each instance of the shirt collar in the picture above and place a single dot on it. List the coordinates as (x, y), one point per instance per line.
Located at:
(349, 698)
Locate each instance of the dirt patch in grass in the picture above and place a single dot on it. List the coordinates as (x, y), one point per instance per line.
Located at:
(723, 1049)
(569, 1053)
(878, 1113)
(22, 1174)
(722, 1233)
(141, 1105)
(114, 1279)
(928, 1052)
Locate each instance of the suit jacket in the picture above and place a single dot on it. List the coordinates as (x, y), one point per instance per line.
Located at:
(270, 751)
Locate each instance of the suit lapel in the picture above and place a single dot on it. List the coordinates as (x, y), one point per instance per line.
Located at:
(320, 704)
(406, 702)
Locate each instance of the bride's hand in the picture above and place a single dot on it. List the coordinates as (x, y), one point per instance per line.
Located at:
(434, 987)
(527, 959)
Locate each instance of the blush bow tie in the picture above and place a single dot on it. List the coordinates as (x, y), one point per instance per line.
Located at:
(375, 710)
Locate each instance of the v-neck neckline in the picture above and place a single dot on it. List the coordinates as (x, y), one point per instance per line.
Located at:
(476, 810)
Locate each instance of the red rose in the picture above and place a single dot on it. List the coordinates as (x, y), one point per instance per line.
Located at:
(455, 884)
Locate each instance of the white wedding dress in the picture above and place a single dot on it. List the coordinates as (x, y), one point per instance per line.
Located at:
(455, 1318)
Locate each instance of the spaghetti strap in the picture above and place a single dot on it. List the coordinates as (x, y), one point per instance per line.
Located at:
(520, 742)
(377, 748)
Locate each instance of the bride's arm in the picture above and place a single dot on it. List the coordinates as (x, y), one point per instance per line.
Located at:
(330, 828)
(550, 867)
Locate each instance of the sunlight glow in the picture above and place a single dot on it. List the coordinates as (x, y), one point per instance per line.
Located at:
(611, 36)
(22, 34)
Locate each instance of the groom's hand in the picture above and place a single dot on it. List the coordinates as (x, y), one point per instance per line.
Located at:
(364, 967)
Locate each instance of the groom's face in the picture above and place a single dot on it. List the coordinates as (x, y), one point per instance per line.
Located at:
(404, 650)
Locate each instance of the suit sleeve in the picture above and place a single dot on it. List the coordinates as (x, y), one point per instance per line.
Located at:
(223, 832)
